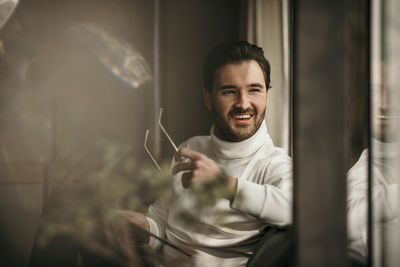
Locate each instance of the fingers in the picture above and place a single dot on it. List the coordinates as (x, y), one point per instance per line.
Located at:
(199, 168)
(187, 153)
(183, 166)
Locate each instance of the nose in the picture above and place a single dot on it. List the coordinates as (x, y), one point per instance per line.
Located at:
(384, 103)
(243, 101)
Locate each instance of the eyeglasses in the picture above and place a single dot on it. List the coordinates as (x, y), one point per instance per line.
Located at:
(146, 137)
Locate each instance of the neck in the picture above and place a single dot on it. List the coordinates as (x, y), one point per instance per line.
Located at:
(226, 149)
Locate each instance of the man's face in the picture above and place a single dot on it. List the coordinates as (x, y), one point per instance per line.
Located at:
(238, 100)
(385, 123)
(385, 104)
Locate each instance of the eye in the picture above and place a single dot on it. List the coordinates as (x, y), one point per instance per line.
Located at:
(228, 92)
(254, 90)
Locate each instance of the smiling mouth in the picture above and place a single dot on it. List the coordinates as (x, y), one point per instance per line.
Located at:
(242, 116)
(242, 119)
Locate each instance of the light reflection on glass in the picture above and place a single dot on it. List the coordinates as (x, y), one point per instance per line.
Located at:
(385, 132)
(385, 148)
(118, 56)
(7, 7)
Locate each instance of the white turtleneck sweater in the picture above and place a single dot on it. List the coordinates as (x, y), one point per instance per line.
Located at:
(264, 174)
(385, 192)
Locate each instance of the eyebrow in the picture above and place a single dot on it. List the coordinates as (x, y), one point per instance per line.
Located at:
(256, 85)
(230, 86)
(223, 87)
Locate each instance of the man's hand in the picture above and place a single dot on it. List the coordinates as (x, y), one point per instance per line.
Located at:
(200, 169)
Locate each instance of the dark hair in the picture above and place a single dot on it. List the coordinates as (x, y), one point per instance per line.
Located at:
(234, 52)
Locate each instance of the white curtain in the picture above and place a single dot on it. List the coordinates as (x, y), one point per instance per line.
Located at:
(266, 24)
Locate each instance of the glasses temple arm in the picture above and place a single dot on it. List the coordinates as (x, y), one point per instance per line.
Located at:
(165, 132)
(148, 151)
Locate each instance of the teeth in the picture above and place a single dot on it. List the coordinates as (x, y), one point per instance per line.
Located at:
(242, 117)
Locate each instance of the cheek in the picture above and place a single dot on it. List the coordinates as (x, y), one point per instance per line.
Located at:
(221, 106)
(260, 104)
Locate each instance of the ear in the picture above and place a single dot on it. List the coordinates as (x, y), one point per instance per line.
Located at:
(207, 99)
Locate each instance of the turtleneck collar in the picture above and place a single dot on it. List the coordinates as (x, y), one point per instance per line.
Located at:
(232, 150)
(384, 150)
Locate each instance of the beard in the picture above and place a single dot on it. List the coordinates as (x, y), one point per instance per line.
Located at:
(227, 130)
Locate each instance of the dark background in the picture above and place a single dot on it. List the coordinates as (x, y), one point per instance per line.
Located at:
(59, 106)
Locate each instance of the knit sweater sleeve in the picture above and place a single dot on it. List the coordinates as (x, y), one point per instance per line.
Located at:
(157, 219)
(266, 192)
(384, 197)
(157, 215)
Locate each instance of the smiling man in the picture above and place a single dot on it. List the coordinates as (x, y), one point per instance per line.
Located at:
(238, 156)
(236, 83)
(238, 99)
